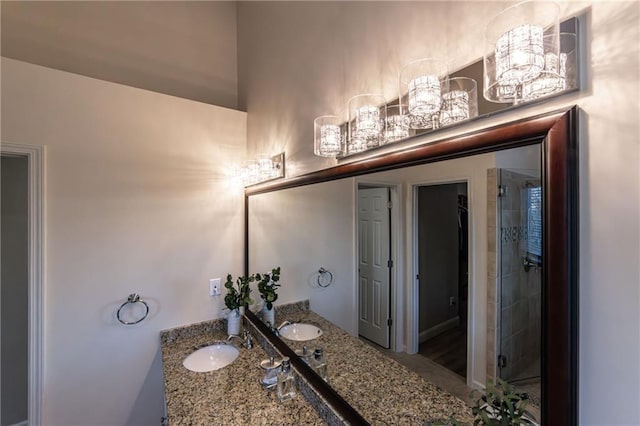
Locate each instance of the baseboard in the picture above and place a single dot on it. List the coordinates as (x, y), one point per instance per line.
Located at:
(439, 328)
(23, 423)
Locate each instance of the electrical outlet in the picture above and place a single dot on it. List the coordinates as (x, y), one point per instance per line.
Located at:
(214, 287)
(452, 301)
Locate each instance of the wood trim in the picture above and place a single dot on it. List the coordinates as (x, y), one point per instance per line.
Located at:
(560, 273)
(37, 249)
(510, 135)
(557, 131)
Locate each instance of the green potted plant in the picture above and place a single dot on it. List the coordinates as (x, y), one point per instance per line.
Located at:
(267, 285)
(236, 299)
(501, 406)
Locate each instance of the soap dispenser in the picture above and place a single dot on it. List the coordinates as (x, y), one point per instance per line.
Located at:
(271, 369)
(286, 381)
(319, 364)
(306, 355)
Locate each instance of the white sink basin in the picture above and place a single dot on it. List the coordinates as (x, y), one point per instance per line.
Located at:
(300, 332)
(212, 357)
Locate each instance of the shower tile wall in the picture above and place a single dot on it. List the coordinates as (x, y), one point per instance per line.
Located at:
(520, 290)
(493, 279)
(513, 294)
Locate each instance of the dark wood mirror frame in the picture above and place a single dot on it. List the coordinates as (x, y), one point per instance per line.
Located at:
(557, 134)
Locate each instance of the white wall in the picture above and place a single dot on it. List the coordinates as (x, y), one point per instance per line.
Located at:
(304, 229)
(137, 201)
(309, 71)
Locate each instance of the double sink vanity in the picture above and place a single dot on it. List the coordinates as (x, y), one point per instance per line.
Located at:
(377, 388)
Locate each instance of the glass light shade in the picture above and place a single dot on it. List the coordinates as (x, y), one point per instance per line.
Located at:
(459, 100)
(514, 48)
(251, 173)
(559, 71)
(265, 166)
(327, 140)
(366, 122)
(396, 124)
(419, 90)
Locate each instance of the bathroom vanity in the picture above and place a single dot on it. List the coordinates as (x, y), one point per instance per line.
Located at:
(378, 388)
(231, 395)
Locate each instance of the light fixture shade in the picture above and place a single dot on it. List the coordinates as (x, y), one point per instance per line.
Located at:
(514, 48)
(459, 100)
(396, 124)
(559, 73)
(328, 139)
(251, 174)
(265, 166)
(419, 90)
(366, 122)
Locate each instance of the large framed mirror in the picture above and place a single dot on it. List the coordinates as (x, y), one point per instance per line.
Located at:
(552, 138)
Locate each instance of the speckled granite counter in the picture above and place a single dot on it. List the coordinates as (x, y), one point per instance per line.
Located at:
(383, 391)
(229, 396)
(379, 388)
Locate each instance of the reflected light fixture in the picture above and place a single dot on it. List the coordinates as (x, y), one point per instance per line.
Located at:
(559, 71)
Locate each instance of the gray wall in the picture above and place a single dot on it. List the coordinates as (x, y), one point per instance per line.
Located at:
(438, 253)
(185, 49)
(14, 266)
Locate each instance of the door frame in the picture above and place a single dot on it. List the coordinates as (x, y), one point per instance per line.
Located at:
(36, 160)
(396, 312)
(413, 289)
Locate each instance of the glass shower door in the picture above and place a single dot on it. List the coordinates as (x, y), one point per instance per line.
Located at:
(520, 270)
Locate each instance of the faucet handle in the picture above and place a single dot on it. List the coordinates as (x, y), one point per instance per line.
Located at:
(248, 340)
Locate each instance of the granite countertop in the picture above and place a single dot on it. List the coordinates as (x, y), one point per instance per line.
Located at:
(379, 388)
(229, 396)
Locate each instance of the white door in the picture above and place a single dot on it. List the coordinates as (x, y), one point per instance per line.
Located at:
(374, 262)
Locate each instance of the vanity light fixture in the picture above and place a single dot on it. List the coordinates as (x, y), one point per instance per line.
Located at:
(526, 58)
(264, 168)
(517, 42)
(328, 138)
(459, 100)
(419, 87)
(366, 122)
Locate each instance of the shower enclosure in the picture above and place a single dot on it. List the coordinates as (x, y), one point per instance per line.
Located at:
(519, 205)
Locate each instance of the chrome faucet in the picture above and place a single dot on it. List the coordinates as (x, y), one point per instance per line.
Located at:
(282, 325)
(246, 339)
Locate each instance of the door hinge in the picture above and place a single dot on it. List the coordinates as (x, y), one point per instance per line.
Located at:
(389, 204)
(502, 361)
(418, 277)
(503, 191)
(389, 322)
(389, 263)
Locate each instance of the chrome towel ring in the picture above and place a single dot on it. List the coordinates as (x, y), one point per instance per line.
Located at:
(325, 278)
(133, 298)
